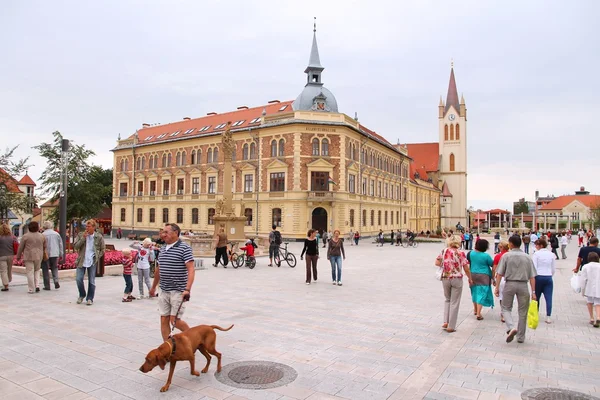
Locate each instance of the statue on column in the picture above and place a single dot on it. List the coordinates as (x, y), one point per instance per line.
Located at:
(228, 143)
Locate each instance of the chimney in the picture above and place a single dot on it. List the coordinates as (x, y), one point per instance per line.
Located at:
(274, 101)
(211, 113)
(242, 108)
(186, 118)
(145, 125)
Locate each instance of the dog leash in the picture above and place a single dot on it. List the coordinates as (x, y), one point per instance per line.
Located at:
(176, 318)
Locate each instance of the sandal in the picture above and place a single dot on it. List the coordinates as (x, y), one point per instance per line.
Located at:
(479, 318)
(4, 289)
(130, 297)
(444, 325)
(450, 330)
(126, 300)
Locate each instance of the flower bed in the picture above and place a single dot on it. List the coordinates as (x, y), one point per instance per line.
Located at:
(110, 258)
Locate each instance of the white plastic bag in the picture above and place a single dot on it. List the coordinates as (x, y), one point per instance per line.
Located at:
(438, 273)
(575, 283)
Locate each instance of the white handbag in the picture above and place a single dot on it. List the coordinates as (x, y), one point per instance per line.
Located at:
(440, 268)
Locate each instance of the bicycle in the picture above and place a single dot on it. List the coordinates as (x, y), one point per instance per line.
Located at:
(410, 242)
(244, 258)
(231, 256)
(283, 253)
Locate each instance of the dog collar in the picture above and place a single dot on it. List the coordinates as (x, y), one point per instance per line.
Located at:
(172, 345)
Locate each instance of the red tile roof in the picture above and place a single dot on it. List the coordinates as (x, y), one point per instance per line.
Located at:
(210, 121)
(50, 203)
(26, 180)
(425, 158)
(589, 200)
(375, 135)
(10, 182)
(497, 211)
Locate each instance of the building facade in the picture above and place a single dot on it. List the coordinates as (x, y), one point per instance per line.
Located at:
(10, 189)
(297, 165)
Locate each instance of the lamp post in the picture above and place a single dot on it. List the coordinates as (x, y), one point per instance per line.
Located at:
(62, 206)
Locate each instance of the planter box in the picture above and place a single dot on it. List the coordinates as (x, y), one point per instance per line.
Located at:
(112, 270)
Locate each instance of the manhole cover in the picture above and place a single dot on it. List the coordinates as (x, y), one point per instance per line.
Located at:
(555, 394)
(256, 375)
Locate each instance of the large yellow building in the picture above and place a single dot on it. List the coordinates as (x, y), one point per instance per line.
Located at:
(297, 164)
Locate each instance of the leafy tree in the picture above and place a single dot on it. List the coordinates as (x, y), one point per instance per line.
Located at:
(595, 214)
(521, 207)
(89, 187)
(9, 169)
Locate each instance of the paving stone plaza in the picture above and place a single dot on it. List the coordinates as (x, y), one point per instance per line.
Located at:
(376, 337)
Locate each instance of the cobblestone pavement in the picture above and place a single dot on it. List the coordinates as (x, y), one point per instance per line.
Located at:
(376, 337)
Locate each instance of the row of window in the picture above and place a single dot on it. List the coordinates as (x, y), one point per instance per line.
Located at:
(385, 214)
(180, 186)
(452, 132)
(384, 190)
(248, 212)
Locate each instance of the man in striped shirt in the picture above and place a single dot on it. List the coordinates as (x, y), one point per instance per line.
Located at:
(175, 273)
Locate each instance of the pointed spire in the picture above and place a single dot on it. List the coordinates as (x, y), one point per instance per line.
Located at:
(314, 62)
(452, 97)
(441, 102)
(462, 99)
(355, 116)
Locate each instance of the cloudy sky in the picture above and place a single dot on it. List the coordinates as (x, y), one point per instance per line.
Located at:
(528, 71)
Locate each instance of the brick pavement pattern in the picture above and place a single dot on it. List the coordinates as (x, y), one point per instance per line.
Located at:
(376, 337)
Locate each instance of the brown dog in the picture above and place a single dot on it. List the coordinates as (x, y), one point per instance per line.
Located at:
(183, 346)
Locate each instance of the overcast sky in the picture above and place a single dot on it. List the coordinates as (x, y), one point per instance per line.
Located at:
(528, 71)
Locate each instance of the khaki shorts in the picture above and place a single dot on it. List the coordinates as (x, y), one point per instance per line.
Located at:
(168, 303)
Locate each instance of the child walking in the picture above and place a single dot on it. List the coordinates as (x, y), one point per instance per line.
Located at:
(144, 258)
(127, 270)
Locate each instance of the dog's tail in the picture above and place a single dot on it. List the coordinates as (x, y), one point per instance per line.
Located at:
(221, 329)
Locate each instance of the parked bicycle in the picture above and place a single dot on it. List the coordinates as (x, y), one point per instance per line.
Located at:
(283, 254)
(410, 242)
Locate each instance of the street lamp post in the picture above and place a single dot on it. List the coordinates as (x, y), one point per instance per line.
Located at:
(63, 192)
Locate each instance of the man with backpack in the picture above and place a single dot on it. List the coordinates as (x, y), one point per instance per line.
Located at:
(274, 243)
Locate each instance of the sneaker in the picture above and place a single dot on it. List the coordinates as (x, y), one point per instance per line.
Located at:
(215, 265)
(89, 303)
(57, 285)
(334, 283)
(140, 297)
(597, 324)
(339, 283)
(511, 335)
(548, 320)
(520, 341)
(37, 289)
(308, 283)
(80, 300)
(46, 288)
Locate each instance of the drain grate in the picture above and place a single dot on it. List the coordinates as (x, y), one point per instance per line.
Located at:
(555, 394)
(256, 375)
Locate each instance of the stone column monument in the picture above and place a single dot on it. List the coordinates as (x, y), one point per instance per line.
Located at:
(224, 214)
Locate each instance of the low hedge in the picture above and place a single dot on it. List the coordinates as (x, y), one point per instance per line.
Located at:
(110, 258)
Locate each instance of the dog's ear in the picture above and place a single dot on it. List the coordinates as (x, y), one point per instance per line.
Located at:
(160, 361)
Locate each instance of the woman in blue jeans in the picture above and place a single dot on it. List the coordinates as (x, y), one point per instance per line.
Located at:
(335, 251)
(545, 265)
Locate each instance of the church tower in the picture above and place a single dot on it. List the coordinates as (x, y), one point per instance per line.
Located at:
(452, 117)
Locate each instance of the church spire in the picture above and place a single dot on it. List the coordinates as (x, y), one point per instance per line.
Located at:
(452, 97)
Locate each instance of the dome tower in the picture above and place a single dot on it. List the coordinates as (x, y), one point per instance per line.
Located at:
(315, 96)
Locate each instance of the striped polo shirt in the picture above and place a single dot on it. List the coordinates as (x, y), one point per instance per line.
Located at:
(173, 272)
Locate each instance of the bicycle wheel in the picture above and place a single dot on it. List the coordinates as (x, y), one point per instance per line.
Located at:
(234, 260)
(405, 244)
(252, 263)
(415, 244)
(291, 260)
(277, 259)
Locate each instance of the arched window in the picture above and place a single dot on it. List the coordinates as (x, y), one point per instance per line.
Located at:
(364, 218)
(139, 215)
(385, 217)
(180, 215)
(152, 215)
(138, 164)
(199, 156)
(446, 132)
(276, 217)
(211, 216)
(451, 132)
(245, 151)
(362, 156)
(169, 159)
(274, 148)
(122, 165)
(252, 151)
(325, 147)
(183, 158)
(281, 147)
(209, 156)
(372, 217)
(391, 218)
(351, 218)
(379, 217)
(457, 132)
(144, 162)
(216, 155)
(178, 159)
(164, 160)
(165, 215)
(315, 147)
(451, 161)
(193, 157)
(122, 215)
(248, 214)
(194, 216)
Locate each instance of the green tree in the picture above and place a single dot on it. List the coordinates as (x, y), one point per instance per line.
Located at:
(9, 198)
(521, 207)
(88, 189)
(595, 214)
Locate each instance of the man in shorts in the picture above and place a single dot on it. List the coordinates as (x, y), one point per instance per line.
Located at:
(273, 245)
(175, 273)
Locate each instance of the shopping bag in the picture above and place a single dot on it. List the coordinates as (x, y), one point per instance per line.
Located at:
(532, 315)
(575, 283)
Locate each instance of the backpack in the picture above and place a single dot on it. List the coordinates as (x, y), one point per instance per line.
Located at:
(277, 237)
(254, 244)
